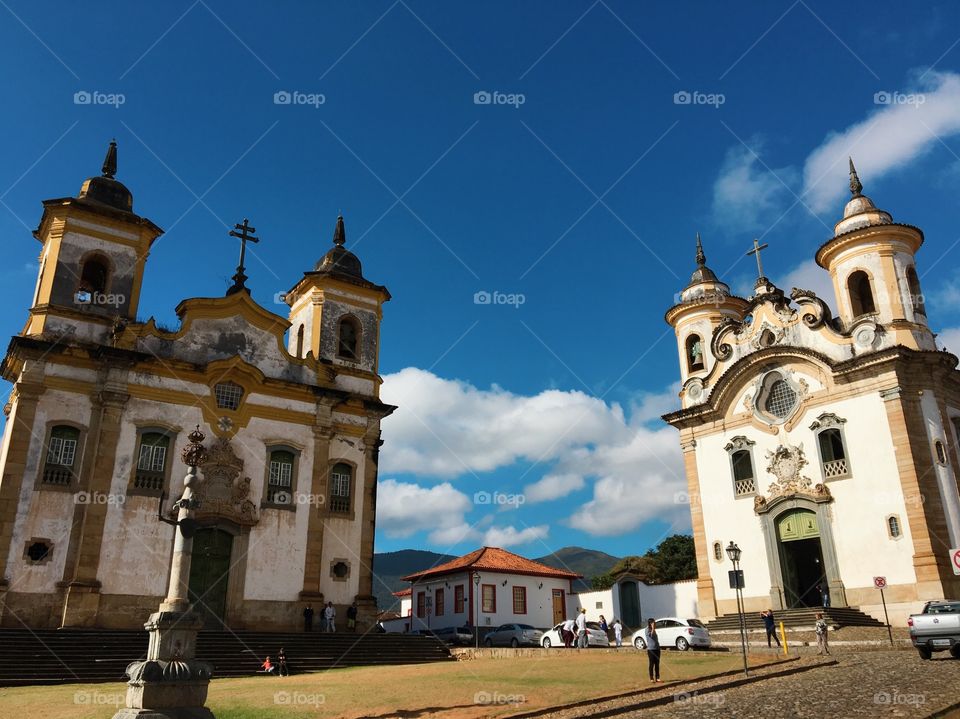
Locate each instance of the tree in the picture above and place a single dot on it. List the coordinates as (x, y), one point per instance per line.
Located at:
(674, 559)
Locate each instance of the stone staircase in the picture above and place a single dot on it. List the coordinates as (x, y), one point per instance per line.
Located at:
(836, 618)
(58, 656)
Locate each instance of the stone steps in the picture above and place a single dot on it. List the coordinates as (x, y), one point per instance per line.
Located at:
(54, 656)
(836, 617)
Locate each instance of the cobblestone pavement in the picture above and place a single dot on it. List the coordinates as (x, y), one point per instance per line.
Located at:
(862, 684)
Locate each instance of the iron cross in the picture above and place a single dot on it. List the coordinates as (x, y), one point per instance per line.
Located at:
(246, 235)
(756, 251)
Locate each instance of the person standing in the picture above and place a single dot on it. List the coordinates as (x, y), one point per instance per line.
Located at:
(282, 670)
(824, 591)
(618, 632)
(566, 633)
(821, 629)
(770, 625)
(652, 642)
(582, 642)
(308, 618)
(352, 617)
(329, 617)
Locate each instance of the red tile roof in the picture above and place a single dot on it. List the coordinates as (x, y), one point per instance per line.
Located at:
(403, 592)
(492, 559)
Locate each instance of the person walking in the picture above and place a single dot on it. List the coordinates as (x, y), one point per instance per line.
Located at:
(770, 625)
(821, 629)
(566, 633)
(282, 670)
(582, 642)
(652, 642)
(618, 632)
(308, 618)
(329, 617)
(352, 617)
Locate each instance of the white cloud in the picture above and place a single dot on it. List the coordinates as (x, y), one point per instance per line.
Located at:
(621, 504)
(404, 508)
(808, 275)
(511, 537)
(949, 339)
(888, 138)
(746, 195)
(553, 486)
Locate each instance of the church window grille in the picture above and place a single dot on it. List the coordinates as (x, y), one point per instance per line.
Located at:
(940, 451)
(916, 296)
(833, 454)
(718, 551)
(348, 339)
(228, 395)
(280, 477)
(151, 461)
(781, 399)
(694, 353)
(61, 454)
(38, 552)
(340, 569)
(341, 480)
(744, 481)
(861, 294)
(893, 527)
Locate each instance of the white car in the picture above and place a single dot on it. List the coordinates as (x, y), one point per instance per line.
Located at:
(596, 637)
(676, 632)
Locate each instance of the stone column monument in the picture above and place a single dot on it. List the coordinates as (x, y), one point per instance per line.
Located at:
(170, 683)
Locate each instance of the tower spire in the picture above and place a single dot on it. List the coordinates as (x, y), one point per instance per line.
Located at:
(856, 188)
(110, 161)
(701, 258)
(339, 234)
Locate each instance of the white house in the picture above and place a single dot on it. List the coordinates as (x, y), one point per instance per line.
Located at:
(632, 601)
(486, 588)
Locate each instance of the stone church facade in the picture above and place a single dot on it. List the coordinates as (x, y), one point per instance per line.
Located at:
(101, 407)
(824, 444)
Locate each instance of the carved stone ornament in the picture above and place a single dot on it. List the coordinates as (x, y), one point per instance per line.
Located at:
(224, 493)
(786, 463)
(695, 390)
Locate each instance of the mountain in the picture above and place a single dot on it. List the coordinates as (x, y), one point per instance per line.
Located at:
(389, 567)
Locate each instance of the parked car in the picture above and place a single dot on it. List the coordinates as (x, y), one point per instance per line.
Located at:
(936, 628)
(459, 636)
(513, 635)
(596, 637)
(676, 632)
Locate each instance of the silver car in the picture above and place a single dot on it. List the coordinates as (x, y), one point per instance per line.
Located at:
(676, 632)
(513, 635)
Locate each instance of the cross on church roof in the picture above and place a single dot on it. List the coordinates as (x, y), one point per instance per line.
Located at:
(246, 235)
(757, 247)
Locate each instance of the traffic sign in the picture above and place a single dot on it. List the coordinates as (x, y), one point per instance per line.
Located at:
(880, 582)
(955, 559)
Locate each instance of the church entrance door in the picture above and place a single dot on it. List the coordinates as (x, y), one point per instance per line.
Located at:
(630, 604)
(209, 568)
(801, 557)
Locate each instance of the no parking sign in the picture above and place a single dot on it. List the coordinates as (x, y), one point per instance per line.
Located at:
(955, 559)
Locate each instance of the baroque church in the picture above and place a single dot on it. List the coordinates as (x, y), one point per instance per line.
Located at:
(101, 407)
(822, 440)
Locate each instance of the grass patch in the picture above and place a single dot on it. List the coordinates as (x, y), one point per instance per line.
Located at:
(476, 688)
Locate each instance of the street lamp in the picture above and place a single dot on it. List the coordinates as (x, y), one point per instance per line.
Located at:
(476, 594)
(736, 582)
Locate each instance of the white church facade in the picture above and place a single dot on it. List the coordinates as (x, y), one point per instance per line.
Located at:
(825, 445)
(101, 407)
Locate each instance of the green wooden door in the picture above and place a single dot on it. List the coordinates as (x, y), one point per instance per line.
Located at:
(208, 575)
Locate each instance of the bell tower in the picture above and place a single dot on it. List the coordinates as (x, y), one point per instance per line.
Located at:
(335, 314)
(92, 258)
(872, 261)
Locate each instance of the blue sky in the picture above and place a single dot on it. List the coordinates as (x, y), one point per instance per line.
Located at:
(581, 191)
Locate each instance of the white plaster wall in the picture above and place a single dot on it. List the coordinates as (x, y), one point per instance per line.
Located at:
(946, 481)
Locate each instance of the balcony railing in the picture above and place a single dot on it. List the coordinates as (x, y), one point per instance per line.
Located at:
(746, 486)
(148, 481)
(836, 468)
(58, 475)
(340, 505)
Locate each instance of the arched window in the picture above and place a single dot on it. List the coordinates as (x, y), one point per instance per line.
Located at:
(280, 477)
(861, 295)
(151, 462)
(61, 457)
(893, 527)
(916, 296)
(741, 466)
(94, 274)
(300, 342)
(228, 395)
(718, 551)
(694, 353)
(833, 454)
(780, 398)
(940, 452)
(348, 339)
(341, 488)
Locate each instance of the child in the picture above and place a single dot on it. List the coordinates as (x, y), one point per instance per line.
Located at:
(618, 632)
(267, 667)
(821, 629)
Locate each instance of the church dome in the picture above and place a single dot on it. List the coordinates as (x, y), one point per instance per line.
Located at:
(106, 189)
(339, 260)
(860, 210)
(703, 281)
